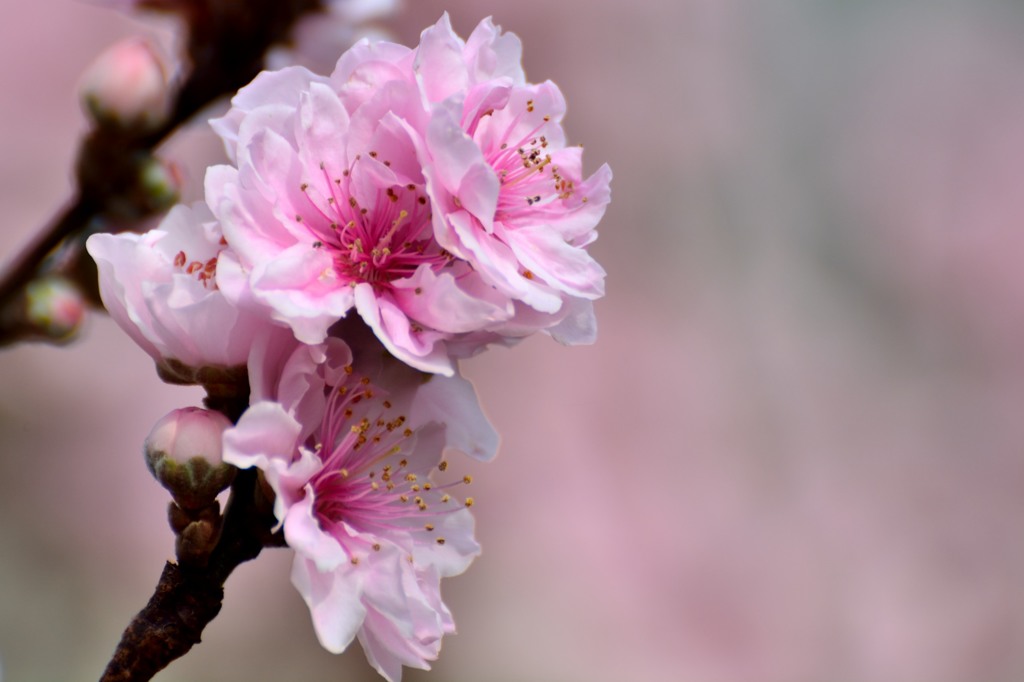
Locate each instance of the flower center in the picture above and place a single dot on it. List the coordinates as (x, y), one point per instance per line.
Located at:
(373, 477)
(203, 271)
(520, 165)
(378, 243)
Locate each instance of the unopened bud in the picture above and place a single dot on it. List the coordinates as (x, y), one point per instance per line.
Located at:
(126, 86)
(161, 183)
(183, 452)
(54, 306)
(197, 531)
(196, 541)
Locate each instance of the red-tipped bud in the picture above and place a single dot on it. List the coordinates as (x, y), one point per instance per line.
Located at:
(54, 306)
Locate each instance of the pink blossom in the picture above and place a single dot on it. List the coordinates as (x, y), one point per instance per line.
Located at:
(161, 289)
(372, 533)
(508, 194)
(430, 190)
(327, 212)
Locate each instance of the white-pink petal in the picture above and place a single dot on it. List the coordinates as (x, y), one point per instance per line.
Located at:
(439, 65)
(334, 601)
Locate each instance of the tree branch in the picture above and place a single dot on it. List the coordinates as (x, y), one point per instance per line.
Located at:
(189, 596)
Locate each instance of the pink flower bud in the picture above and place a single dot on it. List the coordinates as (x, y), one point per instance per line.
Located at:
(183, 452)
(126, 85)
(55, 306)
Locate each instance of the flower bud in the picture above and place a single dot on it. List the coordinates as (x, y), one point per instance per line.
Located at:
(160, 182)
(54, 306)
(183, 452)
(197, 531)
(126, 86)
(196, 541)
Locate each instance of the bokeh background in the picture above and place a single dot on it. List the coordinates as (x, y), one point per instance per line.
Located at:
(796, 453)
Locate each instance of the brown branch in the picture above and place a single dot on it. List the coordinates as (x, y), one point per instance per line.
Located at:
(188, 595)
(25, 264)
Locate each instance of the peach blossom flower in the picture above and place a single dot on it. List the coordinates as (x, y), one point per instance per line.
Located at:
(372, 532)
(161, 289)
(508, 194)
(326, 213)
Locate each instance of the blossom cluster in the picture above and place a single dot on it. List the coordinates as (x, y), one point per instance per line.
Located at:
(374, 226)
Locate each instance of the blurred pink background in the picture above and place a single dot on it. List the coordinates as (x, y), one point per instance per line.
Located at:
(796, 453)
